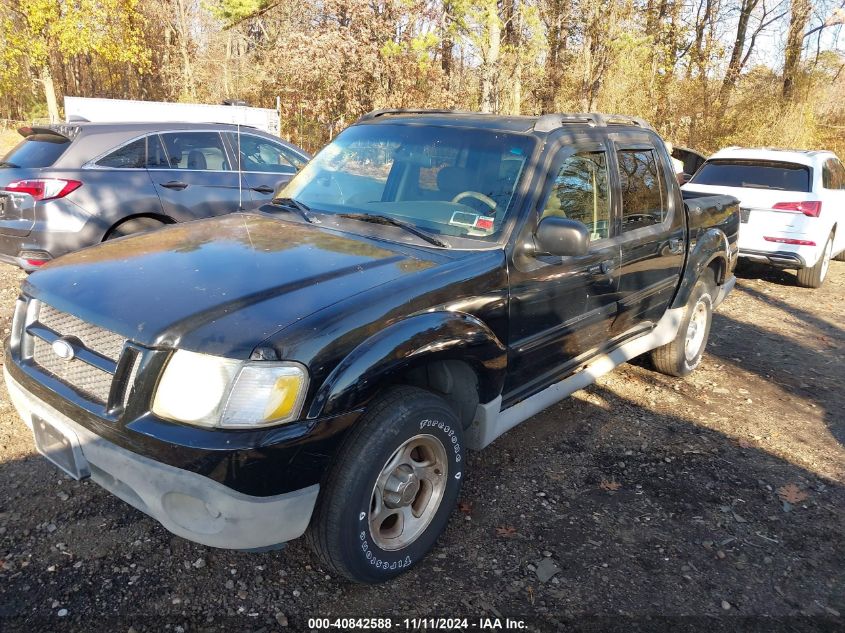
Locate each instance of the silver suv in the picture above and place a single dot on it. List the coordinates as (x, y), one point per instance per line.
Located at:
(64, 187)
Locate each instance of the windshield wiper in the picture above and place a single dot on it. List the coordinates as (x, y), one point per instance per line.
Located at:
(6, 163)
(384, 219)
(296, 205)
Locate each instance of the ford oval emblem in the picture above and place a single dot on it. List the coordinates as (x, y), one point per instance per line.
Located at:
(63, 349)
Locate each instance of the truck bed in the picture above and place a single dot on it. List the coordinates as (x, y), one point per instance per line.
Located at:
(705, 211)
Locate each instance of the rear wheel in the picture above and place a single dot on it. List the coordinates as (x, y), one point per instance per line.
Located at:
(683, 354)
(814, 276)
(393, 488)
(135, 225)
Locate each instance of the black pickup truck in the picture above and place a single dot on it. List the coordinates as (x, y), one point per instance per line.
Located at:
(321, 367)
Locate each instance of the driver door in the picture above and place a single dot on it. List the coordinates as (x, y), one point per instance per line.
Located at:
(562, 308)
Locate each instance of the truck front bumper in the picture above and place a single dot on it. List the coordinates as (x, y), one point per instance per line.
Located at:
(188, 504)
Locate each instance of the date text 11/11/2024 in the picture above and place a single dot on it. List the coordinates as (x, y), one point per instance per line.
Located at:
(413, 624)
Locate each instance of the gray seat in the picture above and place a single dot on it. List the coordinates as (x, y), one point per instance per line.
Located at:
(451, 181)
(196, 160)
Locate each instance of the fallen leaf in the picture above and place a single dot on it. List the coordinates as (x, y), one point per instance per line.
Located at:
(610, 485)
(506, 531)
(790, 493)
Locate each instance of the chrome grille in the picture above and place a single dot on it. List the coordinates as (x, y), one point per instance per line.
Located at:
(95, 338)
(90, 381)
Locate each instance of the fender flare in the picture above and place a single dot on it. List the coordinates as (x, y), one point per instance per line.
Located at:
(410, 343)
(711, 245)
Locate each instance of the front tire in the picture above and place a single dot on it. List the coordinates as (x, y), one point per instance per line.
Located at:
(814, 277)
(683, 354)
(390, 494)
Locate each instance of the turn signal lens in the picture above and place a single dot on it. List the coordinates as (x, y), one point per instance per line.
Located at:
(265, 393)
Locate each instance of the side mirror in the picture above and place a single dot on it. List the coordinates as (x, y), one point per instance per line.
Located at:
(562, 236)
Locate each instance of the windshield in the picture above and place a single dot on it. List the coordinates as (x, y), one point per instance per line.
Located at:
(755, 174)
(446, 181)
(36, 150)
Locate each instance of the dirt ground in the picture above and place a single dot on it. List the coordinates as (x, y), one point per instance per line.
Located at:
(712, 502)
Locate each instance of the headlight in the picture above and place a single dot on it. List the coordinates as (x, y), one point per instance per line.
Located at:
(220, 392)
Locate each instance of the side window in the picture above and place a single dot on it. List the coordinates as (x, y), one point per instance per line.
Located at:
(197, 151)
(833, 175)
(828, 180)
(580, 192)
(643, 189)
(131, 156)
(156, 156)
(260, 154)
(295, 159)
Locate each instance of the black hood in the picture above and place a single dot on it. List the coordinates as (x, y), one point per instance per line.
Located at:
(188, 285)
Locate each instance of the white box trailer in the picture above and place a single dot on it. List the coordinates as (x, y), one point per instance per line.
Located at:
(121, 110)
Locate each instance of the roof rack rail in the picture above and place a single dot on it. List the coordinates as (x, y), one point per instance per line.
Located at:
(391, 111)
(551, 122)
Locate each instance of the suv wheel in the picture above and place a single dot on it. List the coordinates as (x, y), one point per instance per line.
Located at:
(814, 277)
(682, 355)
(391, 493)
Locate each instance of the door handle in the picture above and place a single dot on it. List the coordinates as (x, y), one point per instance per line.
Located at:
(175, 184)
(676, 246)
(263, 189)
(604, 268)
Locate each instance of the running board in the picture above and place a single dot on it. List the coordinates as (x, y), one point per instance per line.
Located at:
(490, 422)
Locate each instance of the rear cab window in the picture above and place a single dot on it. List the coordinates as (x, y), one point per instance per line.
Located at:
(36, 150)
(755, 174)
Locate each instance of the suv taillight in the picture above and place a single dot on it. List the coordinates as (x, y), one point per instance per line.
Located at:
(810, 208)
(44, 188)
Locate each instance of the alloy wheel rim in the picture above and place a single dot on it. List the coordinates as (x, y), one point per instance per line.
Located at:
(695, 331)
(408, 492)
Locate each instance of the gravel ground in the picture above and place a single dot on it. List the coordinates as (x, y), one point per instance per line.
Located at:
(641, 503)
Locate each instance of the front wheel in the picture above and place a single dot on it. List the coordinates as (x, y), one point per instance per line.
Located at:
(391, 493)
(814, 276)
(683, 354)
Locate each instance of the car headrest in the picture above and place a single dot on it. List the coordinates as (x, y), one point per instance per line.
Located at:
(196, 160)
(453, 180)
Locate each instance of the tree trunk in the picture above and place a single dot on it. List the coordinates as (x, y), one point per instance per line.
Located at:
(46, 79)
(801, 10)
(183, 32)
(491, 61)
(513, 38)
(227, 92)
(736, 60)
(447, 43)
(556, 36)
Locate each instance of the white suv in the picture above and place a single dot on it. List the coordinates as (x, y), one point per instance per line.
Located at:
(792, 204)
